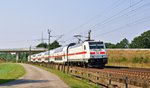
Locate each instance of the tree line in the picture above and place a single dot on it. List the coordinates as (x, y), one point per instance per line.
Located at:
(142, 41)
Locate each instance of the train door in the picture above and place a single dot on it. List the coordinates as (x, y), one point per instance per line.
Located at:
(84, 50)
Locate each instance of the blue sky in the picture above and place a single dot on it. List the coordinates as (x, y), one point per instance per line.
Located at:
(22, 21)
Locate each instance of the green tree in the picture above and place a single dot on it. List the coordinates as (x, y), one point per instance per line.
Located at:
(142, 41)
(123, 44)
(146, 39)
(110, 45)
(8, 57)
(136, 43)
(42, 45)
(54, 45)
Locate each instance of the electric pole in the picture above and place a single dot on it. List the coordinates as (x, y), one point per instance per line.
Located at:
(89, 35)
(49, 36)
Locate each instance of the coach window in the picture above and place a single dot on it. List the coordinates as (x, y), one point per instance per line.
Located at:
(84, 47)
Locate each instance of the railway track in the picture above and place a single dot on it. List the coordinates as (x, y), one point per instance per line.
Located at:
(136, 72)
(128, 72)
(132, 76)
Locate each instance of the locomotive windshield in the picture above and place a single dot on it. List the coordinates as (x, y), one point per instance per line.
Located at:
(96, 45)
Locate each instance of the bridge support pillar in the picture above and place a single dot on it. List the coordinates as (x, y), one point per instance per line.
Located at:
(17, 57)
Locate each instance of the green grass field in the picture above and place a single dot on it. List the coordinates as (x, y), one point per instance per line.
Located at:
(10, 71)
(70, 80)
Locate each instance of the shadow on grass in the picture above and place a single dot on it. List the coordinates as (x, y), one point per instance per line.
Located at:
(11, 82)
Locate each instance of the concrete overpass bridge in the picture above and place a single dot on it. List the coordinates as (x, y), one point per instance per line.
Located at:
(19, 50)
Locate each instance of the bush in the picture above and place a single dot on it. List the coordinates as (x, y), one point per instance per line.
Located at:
(137, 60)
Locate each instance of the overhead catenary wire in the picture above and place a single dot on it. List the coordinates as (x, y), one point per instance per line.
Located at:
(147, 4)
(95, 17)
(128, 13)
(122, 27)
(109, 9)
(116, 17)
(110, 18)
(115, 4)
(116, 14)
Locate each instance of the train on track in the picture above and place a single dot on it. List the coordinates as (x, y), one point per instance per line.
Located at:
(87, 53)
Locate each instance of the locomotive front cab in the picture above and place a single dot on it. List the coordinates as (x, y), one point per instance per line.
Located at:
(97, 52)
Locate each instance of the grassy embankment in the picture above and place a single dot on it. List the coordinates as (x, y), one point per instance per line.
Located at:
(10, 72)
(130, 58)
(70, 80)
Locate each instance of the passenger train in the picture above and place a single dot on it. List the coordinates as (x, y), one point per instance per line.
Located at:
(87, 53)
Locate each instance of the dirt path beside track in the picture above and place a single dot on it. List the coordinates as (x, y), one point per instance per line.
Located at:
(36, 78)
